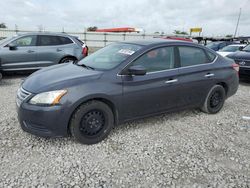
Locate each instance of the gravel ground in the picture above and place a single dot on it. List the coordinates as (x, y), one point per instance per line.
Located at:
(184, 149)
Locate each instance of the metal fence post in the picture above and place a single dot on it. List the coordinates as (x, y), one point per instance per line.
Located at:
(85, 37)
(105, 39)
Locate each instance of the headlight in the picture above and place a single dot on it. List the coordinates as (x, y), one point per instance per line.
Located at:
(48, 98)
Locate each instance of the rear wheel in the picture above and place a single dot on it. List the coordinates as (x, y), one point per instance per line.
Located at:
(92, 122)
(68, 59)
(214, 100)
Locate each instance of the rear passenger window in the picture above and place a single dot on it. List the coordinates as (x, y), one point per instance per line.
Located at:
(46, 40)
(65, 40)
(192, 56)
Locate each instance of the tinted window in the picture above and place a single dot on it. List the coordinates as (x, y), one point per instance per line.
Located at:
(211, 56)
(46, 40)
(157, 59)
(65, 40)
(25, 41)
(192, 56)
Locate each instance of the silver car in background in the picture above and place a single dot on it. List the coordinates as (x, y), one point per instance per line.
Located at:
(32, 51)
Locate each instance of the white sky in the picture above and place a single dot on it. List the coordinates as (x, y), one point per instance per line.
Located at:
(216, 17)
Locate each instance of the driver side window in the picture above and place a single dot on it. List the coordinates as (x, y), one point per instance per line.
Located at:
(157, 59)
(25, 41)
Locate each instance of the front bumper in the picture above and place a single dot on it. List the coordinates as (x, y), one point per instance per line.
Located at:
(43, 121)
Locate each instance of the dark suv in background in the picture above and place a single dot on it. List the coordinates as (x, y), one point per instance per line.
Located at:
(242, 58)
(33, 51)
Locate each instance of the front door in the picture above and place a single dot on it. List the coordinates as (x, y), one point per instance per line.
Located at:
(24, 56)
(154, 92)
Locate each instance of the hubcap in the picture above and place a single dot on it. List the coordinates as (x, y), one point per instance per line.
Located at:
(215, 99)
(92, 123)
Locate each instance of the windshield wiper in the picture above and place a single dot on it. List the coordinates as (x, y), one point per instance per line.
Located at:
(86, 66)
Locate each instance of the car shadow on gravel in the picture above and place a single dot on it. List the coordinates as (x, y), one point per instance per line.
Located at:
(9, 77)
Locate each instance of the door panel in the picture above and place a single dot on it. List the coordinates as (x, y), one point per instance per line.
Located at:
(144, 95)
(195, 84)
(156, 91)
(50, 50)
(21, 58)
(196, 75)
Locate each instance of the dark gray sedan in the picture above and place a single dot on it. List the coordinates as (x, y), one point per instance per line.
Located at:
(122, 82)
(32, 51)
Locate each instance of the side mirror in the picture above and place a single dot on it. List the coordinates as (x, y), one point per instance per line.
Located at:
(12, 46)
(137, 70)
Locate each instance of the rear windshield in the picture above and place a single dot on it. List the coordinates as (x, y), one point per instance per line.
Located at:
(110, 56)
(247, 48)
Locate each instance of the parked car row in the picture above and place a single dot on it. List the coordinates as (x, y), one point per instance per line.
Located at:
(121, 82)
(34, 51)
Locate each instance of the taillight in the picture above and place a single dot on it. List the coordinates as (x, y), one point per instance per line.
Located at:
(236, 67)
(85, 51)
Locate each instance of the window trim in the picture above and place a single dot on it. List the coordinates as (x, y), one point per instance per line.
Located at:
(125, 69)
(121, 73)
(202, 49)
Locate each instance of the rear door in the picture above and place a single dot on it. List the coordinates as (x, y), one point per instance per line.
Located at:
(154, 92)
(50, 50)
(196, 75)
(21, 58)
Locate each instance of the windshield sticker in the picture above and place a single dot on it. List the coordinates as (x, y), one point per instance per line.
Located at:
(126, 51)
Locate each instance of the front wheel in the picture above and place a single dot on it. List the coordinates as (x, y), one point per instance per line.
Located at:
(214, 100)
(92, 122)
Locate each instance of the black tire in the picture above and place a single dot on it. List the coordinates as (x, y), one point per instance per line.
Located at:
(92, 122)
(214, 100)
(67, 59)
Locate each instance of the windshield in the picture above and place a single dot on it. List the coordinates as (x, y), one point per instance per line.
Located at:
(230, 48)
(5, 40)
(109, 56)
(247, 48)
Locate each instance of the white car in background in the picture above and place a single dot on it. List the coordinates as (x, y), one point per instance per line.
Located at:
(231, 49)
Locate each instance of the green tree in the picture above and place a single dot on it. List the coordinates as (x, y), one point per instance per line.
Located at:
(3, 25)
(92, 28)
(177, 32)
(229, 36)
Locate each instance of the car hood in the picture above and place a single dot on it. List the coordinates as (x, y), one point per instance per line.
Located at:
(59, 77)
(240, 55)
(224, 53)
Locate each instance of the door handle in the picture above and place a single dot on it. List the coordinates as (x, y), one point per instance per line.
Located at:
(209, 75)
(58, 50)
(30, 51)
(171, 81)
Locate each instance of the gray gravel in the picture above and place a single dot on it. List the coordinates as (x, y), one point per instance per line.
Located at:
(184, 149)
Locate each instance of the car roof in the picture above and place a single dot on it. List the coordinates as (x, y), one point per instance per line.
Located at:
(237, 45)
(45, 33)
(156, 41)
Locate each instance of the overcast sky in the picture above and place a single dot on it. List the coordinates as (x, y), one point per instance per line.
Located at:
(216, 17)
